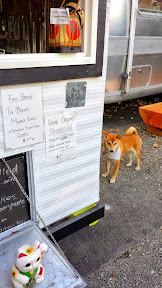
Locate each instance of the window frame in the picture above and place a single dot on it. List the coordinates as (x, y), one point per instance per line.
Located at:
(55, 73)
(31, 190)
(88, 56)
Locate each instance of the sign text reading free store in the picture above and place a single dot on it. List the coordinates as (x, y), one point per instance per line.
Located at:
(22, 114)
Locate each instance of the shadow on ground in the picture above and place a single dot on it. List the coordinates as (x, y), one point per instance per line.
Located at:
(132, 208)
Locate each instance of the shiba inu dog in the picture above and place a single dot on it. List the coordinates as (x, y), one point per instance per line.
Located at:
(115, 146)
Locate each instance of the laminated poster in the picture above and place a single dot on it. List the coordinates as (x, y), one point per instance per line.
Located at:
(61, 136)
(22, 115)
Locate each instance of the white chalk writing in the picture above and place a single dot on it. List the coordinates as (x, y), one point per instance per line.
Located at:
(11, 205)
(5, 228)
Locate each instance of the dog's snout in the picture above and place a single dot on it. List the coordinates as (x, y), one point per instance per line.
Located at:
(111, 150)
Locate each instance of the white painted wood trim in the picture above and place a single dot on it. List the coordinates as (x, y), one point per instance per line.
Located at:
(131, 43)
(11, 61)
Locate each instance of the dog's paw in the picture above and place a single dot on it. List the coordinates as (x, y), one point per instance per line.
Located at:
(39, 280)
(104, 175)
(129, 164)
(137, 168)
(112, 180)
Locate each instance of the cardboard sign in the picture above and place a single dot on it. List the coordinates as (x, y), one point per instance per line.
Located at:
(61, 136)
(22, 114)
(59, 16)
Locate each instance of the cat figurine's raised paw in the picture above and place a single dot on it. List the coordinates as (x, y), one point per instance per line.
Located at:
(27, 264)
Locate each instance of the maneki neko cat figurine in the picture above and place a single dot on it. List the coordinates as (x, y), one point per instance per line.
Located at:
(27, 266)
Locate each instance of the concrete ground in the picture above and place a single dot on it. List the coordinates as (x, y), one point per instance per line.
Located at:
(124, 248)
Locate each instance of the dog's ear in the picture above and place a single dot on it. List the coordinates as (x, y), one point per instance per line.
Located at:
(119, 136)
(105, 132)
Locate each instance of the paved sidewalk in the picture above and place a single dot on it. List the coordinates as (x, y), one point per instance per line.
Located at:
(139, 267)
(133, 217)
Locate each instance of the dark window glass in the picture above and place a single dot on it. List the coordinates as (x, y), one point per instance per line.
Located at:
(25, 27)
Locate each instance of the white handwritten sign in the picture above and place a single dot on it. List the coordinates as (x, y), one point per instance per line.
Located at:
(59, 16)
(22, 114)
(61, 136)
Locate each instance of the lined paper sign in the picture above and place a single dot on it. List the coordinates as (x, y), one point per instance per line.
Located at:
(61, 137)
(22, 115)
(59, 16)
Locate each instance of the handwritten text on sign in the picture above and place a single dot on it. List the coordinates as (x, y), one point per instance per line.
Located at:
(14, 208)
(59, 16)
(22, 113)
(61, 137)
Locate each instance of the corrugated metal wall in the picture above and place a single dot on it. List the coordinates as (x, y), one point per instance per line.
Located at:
(67, 187)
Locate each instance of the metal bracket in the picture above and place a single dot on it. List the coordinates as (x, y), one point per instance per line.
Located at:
(2, 51)
(123, 76)
(68, 227)
(123, 92)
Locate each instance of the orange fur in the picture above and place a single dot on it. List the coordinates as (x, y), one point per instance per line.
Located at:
(131, 142)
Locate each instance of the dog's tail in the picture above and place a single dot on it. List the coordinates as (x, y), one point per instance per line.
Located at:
(130, 131)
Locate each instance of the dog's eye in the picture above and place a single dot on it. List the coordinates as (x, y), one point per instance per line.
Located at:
(109, 143)
(115, 143)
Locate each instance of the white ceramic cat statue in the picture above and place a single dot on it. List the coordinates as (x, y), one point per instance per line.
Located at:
(27, 265)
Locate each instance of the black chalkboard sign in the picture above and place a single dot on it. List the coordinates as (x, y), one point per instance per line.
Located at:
(14, 208)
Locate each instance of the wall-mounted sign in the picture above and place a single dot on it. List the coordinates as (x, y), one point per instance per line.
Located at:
(75, 94)
(22, 115)
(14, 208)
(61, 136)
(59, 16)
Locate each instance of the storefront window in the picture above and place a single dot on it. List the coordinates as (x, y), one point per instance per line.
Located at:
(25, 27)
(30, 36)
(153, 6)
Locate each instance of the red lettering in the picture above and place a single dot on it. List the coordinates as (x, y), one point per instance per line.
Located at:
(73, 30)
(53, 31)
(40, 271)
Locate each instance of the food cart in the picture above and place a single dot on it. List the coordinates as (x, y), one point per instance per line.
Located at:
(52, 90)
